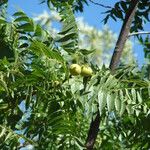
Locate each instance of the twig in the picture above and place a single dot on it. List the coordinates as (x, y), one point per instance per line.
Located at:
(137, 33)
(100, 4)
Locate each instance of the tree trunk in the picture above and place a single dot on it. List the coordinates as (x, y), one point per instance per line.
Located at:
(125, 30)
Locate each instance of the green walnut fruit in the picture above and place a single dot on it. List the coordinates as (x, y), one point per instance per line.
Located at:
(86, 71)
(56, 83)
(75, 69)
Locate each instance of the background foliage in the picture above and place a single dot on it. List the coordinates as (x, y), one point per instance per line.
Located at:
(99, 42)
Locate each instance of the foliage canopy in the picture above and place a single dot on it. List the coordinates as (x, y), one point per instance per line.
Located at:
(36, 111)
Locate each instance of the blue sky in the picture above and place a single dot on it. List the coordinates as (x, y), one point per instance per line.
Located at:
(92, 15)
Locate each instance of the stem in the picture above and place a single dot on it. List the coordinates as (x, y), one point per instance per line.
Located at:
(94, 126)
(138, 33)
(99, 4)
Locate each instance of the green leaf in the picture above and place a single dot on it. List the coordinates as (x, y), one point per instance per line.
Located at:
(123, 5)
(8, 136)
(109, 81)
(117, 103)
(4, 85)
(24, 45)
(27, 27)
(24, 18)
(2, 132)
(80, 143)
(23, 38)
(129, 101)
(86, 52)
(19, 13)
(2, 21)
(102, 100)
(67, 37)
(137, 112)
(139, 97)
(102, 81)
(130, 109)
(122, 102)
(110, 102)
(3, 106)
(41, 49)
(28, 97)
(66, 30)
(123, 107)
(67, 44)
(133, 92)
(38, 31)
(113, 17)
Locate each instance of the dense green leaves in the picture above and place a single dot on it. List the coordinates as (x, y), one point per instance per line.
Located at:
(43, 106)
(117, 94)
(40, 49)
(77, 5)
(69, 34)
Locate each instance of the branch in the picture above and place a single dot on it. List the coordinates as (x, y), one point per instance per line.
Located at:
(123, 35)
(100, 4)
(137, 33)
(94, 127)
(93, 131)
